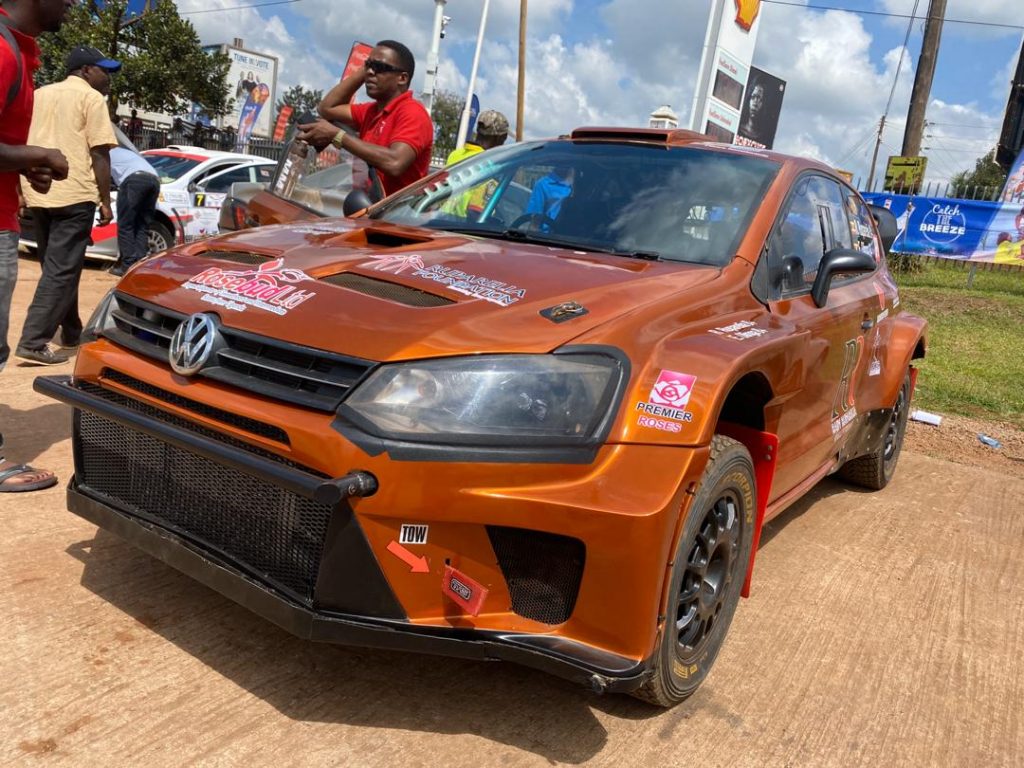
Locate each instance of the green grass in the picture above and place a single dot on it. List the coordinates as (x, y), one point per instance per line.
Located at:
(975, 361)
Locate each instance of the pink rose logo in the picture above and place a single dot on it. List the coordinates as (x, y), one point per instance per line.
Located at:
(672, 389)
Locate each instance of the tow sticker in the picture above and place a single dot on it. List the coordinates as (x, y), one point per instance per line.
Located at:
(413, 534)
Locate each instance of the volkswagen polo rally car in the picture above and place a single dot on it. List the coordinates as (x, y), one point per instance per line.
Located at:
(547, 432)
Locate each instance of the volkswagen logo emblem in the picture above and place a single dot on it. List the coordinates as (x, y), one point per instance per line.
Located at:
(193, 343)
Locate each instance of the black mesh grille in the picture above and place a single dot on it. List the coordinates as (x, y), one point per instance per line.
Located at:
(542, 570)
(273, 534)
(382, 289)
(225, 417)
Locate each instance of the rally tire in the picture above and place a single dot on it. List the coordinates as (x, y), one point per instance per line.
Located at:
(708, 571)
(877, 468)
(158, 237)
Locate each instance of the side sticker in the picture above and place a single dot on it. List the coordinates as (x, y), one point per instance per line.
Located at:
(667, 399)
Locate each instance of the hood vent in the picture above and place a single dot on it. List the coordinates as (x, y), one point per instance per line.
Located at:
(382, 289)
(239, 257)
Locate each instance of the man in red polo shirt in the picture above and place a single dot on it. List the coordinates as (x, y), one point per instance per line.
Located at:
(23, 21)
(395, 131)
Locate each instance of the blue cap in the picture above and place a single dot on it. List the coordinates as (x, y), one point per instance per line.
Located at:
(82, 55)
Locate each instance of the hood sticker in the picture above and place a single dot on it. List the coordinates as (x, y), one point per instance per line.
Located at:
(667, 399)
(394, 262)
(269, 287)
(494, 291)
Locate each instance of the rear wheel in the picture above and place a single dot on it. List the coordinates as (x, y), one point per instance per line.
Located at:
(876, 469)
(707, 575)
(159, 237)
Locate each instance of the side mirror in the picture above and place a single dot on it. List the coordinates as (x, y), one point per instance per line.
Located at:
(886, 223)
(838, 261)
(355, 201)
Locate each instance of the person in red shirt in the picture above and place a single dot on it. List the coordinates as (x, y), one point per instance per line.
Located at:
(40, 166)
(395, 131)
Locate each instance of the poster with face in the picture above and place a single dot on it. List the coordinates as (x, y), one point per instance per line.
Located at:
(762, 104)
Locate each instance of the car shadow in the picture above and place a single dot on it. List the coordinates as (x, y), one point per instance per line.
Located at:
(823, 490)
(29, 434)
(318, 682)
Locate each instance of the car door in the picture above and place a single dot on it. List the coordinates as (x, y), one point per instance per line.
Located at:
(814, 422)
(210, 194)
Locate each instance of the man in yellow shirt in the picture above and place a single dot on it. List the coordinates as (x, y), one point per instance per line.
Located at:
(72, 115)
(491, 131)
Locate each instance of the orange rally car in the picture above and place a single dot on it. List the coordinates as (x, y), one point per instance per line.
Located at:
(535, 407)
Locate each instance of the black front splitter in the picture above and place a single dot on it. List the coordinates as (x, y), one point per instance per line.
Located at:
(580, 663)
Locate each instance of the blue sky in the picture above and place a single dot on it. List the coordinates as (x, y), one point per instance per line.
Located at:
(614, 61)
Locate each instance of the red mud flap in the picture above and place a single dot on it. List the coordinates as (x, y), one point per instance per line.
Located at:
(469, 594)
(764, 451)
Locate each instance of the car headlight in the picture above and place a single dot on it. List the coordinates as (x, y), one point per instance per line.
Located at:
(101, 318)
(490, 399)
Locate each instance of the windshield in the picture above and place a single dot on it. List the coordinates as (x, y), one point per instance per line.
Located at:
(675, 203)
(320, 181)
(170, 167)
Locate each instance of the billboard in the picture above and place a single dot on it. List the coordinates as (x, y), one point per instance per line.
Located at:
(252, 80)
(762, 105)
(725, 66)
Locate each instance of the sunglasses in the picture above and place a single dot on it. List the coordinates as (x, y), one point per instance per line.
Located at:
(380, 67)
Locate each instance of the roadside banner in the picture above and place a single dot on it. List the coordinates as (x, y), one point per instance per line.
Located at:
(975, 230)
(282, 122)
(357, 56)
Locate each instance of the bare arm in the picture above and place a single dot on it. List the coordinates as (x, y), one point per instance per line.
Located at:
(392, 160)
(101, 169)
(21, 157)
(335, 105)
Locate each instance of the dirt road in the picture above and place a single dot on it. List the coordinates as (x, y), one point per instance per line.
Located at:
(884, 629)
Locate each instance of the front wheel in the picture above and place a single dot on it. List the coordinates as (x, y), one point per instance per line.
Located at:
(876, 469)
(158, 237)
(708, 571)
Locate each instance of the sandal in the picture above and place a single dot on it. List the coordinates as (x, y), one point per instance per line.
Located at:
(24, 469)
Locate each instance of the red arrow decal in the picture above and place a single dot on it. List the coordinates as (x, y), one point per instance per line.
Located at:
(417, 564)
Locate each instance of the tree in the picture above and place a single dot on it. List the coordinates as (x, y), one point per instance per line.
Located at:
(986, 179)
(446, 113)
(300, 100)
(165, 68)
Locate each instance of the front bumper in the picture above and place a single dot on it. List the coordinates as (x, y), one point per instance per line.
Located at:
(374, 617)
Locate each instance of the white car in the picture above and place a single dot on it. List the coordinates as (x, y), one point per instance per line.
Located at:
(194, 183)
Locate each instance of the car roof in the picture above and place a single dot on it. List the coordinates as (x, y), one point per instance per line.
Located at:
(201, 154)
(678, 137)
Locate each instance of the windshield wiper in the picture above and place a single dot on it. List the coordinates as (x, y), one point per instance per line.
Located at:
(522, 236)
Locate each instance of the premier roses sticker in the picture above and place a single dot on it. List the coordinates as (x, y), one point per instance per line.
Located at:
(668, 399)
(672, 389)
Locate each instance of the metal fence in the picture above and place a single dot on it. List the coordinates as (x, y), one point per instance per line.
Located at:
(225, 141)
(937, 188)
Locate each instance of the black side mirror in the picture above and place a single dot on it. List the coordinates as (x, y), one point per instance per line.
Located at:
(355, 201)
(838, 261)
(886, 223)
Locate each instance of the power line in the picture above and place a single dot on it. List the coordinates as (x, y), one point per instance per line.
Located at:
(895, 15)
(239, 7)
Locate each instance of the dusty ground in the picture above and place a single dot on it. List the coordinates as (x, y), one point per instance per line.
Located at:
(885, 629)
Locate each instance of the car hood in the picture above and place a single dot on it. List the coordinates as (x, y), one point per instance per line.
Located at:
(385, 292)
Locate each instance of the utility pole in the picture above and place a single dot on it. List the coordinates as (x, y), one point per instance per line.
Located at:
(427, 97)
(521, 90)
(874, 155)
(923, 78)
